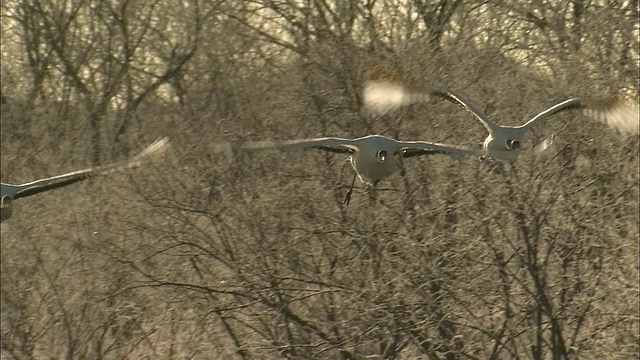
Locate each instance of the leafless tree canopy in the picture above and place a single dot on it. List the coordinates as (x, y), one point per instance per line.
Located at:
(206, 255)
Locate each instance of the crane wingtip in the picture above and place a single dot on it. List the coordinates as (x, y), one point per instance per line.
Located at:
(618, 111)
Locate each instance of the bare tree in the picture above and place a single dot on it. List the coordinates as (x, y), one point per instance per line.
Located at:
(253, 255)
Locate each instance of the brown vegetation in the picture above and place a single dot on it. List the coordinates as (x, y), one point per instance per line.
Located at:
(253, 256)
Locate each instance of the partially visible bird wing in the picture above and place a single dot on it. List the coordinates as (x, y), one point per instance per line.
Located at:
(383, 96)
(54, 182)
(617, 112)
(415, 148)
(544, 145)
(337, 145)
(467, 105)
(42, 185)
(8, 190)
(574, 103)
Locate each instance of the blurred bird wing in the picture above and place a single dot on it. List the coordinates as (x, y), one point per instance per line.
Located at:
(416, 148)
(42, 185)
(617, 112)
(383, 96)
(574, 103)
(467, 105)
(338, 145)
(544, 145)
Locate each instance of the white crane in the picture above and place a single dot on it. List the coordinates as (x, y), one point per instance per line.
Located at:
(11, 192)
(372, 157)
(503, 142)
